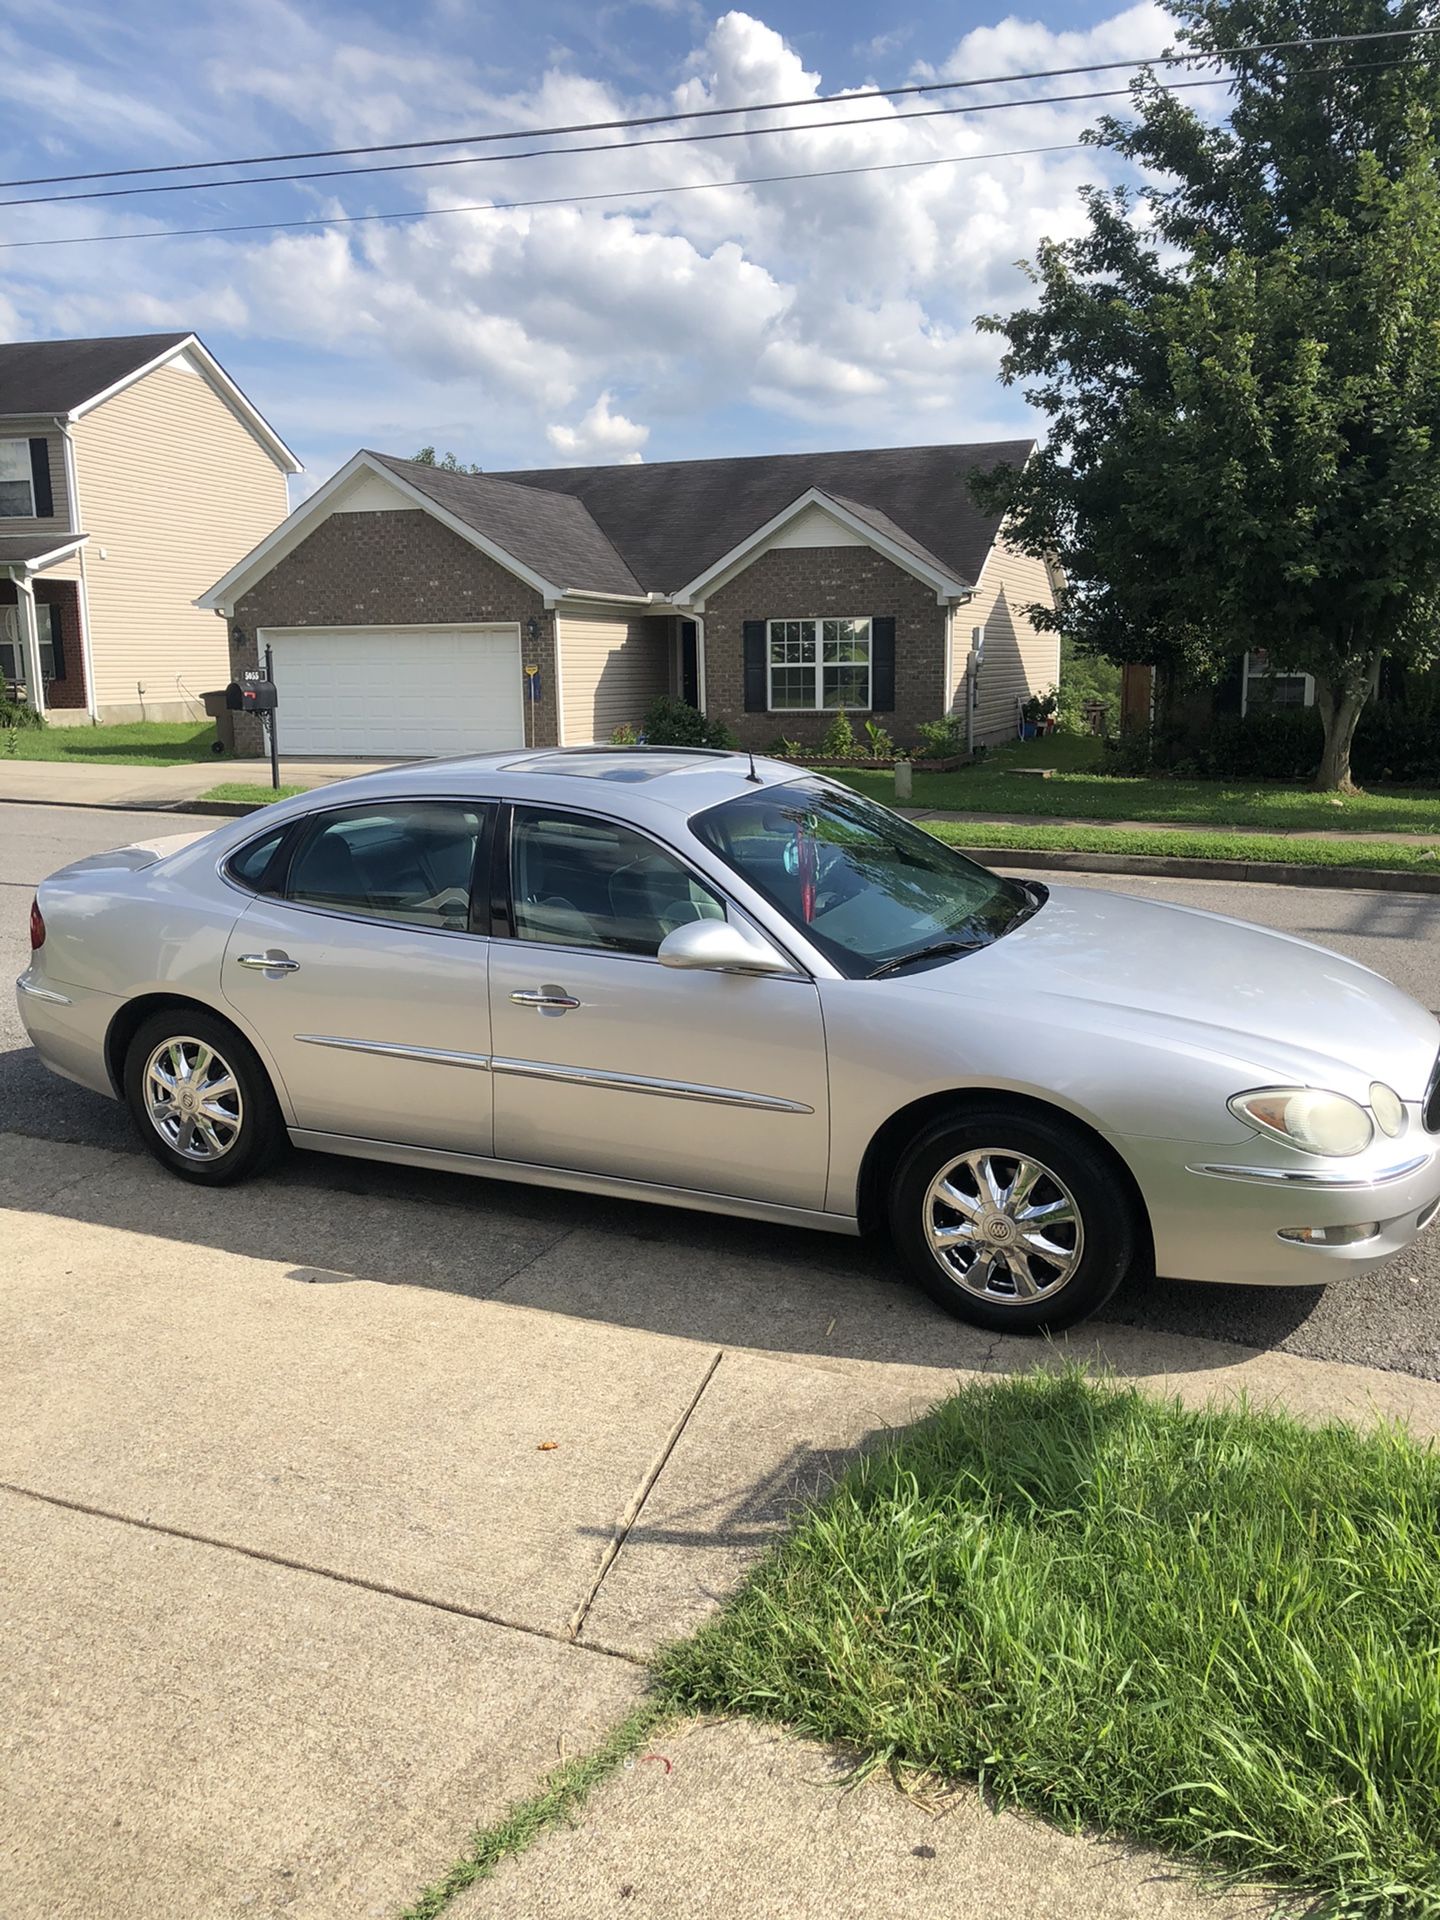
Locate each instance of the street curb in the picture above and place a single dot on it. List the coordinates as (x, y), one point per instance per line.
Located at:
(1162, 867)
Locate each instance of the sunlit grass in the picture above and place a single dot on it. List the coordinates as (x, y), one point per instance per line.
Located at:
(1217, 1632)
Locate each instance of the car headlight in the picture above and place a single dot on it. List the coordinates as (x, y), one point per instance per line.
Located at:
(1308, 1118)
(1388, 1109)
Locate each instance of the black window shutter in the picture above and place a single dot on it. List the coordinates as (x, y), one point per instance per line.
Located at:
(756, 691)
(42, 610)
(40, 478)
(882, 664)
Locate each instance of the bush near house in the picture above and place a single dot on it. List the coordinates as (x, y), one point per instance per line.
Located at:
(1394, 746)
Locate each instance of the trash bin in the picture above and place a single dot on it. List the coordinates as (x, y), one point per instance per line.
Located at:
(224, 718)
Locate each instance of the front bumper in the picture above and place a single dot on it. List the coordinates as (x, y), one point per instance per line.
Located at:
(67, 1027)
(1217, 1214)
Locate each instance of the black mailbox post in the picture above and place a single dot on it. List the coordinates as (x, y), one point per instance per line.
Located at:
(257, 693)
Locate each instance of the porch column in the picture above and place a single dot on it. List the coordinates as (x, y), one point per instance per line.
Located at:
(30, 643)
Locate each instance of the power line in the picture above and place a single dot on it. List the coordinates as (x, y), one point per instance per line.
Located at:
(605, 146)
(1218, 56)
(556, 200)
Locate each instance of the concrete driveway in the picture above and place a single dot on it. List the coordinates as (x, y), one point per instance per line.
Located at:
(338, 1508)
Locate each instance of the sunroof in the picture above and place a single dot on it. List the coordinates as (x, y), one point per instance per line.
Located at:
(621, 768)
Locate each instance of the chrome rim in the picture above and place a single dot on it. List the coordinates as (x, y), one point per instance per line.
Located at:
(1003, 1227)
(193, 1099)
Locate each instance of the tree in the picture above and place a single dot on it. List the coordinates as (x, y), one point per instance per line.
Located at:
(447, 463)
(1241, 366)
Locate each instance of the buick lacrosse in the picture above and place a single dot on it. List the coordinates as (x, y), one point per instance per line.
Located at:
(724, 984)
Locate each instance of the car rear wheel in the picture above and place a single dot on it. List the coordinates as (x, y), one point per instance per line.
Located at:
(1012, 1221)
(200, 1098)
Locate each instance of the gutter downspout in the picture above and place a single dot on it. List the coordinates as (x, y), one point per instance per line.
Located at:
(72, 498)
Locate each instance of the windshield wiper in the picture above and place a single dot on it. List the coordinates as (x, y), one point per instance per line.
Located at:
(941, 950)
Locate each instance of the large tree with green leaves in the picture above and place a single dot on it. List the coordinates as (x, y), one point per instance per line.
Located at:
(1240, 363)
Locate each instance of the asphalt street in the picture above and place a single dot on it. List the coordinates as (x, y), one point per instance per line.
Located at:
(1390, 1319)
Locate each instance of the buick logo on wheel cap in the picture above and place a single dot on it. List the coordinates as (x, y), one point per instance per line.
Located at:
(999, 1229)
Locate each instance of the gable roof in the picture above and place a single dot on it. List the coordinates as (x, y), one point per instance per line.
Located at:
(68, 377)
(672, 520)
(552, 533)
(54, 376)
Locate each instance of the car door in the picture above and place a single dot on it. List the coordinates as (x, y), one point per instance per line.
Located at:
(357, 966)
(608, 1062)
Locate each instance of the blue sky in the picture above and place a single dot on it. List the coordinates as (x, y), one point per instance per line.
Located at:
(737, 318)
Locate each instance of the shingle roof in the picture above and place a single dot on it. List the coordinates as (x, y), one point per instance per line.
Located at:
(52, 376)
(670, 520)
(550, 532)
(17, 548)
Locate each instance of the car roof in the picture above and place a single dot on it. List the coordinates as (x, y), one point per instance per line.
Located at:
(625, 782)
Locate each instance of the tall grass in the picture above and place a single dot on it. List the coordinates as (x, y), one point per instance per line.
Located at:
(1216, 1631)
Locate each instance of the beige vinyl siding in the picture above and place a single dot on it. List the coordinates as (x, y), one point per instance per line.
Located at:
(57, 522)
(1019, 660)
(610, 670)
(175, 488)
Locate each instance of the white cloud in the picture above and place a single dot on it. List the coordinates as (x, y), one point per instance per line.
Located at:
(600, 435)
(843, 306)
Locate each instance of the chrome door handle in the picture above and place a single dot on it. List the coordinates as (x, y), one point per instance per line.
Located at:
(268, 962)
(547, 999)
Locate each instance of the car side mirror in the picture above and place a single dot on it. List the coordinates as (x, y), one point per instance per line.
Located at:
(715, 946)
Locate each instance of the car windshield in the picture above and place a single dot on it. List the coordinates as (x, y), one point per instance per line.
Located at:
(863, 884)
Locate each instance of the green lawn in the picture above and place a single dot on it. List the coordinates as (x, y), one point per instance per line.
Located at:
(1077, 792)
(1216, 1632)
(140, 743)
(1391, 856)
(245, 792)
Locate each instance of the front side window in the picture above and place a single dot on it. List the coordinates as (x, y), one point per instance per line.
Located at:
(17, 489)
(865, 886)
(576, 881)
(818, 665)
(405, 860)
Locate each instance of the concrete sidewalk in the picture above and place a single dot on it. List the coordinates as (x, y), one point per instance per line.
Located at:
(78, 783)
(334, 1515)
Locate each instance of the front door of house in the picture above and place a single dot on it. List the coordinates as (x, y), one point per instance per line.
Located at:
(689, 664)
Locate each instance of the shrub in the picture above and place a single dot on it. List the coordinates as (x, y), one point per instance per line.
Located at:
(625, 735)
(785, 749)
(940, 739)
(672, 722)
(1393, 746)
(838, 740)
(878, 741)
(15, 715)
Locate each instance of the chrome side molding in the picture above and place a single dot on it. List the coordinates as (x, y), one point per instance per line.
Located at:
(1302, 1177)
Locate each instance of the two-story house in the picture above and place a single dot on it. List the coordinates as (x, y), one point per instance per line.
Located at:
(132, 472)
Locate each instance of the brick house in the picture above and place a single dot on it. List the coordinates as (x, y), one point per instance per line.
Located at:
(131, 468)
(412, 611)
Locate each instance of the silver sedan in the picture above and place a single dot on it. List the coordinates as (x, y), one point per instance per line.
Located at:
(722, 984)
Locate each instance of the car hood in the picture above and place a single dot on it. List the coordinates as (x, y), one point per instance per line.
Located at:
(1282, 1004)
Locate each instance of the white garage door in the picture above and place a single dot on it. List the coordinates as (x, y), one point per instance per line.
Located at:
(402, 691)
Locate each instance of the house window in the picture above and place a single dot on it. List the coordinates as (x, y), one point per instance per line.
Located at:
(818, 665)
(17, 489)
(1263, 685)
(12, 650)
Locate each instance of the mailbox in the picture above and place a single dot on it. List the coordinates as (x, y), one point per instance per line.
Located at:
(257, 696)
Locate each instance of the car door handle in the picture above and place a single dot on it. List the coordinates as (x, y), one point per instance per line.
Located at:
(268, 962)
(546, 999)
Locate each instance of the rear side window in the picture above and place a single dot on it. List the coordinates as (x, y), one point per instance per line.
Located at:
(255, 865)
(406, 860)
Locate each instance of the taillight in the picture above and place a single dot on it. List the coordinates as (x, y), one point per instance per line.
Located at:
(37, 926)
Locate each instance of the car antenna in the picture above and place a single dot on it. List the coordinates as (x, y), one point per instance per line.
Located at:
(753, 775)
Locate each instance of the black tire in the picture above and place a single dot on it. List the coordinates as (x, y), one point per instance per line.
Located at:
(1108, 1236)
(249, 1144)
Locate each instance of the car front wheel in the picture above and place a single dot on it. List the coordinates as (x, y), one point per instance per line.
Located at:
(202, 1101)
(1012, 1221)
